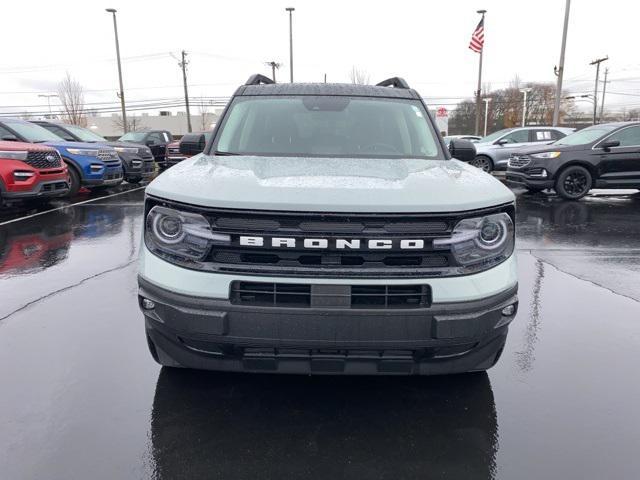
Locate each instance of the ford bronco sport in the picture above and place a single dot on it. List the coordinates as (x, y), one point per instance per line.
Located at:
(326, 229)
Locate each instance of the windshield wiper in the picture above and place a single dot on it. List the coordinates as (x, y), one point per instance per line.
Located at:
(218, 152)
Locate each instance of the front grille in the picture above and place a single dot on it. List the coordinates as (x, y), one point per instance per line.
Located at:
(337, 245)
(292, 295)
(519, 161)
(52, 187)
(173, 150)
(109, 157)
(44, 159)
(113, 176)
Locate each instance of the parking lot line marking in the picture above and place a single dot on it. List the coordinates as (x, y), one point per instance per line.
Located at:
(70, 205)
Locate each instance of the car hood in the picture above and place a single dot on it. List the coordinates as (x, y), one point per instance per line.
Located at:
(330, 184)
(92, 146)
(550, 148)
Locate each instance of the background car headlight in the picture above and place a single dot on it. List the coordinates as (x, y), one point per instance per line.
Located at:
(546, 155)
(14, 154)
(481, 241)
(126, 150)
(83, 151)
(180, 236)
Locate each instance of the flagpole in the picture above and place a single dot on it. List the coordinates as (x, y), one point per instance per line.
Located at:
(479, 90)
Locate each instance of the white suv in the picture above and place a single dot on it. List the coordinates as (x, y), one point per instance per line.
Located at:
(326, 229)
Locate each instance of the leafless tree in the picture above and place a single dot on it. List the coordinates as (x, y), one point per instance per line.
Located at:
(71, 94)
(134, 124)
(358, 76)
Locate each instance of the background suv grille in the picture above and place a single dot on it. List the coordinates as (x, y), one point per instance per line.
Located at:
(519, 161)
(39, 159)
(109, 157)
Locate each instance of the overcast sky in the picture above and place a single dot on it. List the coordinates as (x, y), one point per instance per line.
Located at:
(426, 42)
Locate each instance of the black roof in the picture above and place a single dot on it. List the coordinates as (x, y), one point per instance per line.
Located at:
(345, 89)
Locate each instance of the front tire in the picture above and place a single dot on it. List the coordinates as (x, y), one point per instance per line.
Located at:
(74, 181)
(483, 162)
(573, 182)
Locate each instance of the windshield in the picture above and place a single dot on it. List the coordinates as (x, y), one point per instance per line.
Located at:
(331, 126)
(31, 132)
(84, 134)
(494, 136)
(587, 135)
(134, 137)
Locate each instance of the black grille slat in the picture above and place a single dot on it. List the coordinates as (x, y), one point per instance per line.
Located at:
(300, 295)
(39, 159)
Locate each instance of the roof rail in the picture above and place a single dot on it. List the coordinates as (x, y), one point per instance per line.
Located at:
(396, 82)
(258, 79)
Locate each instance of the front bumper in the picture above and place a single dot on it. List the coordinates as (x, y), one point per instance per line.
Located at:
(111, 176)
(516, 178)
(47, 188)
(214, 334)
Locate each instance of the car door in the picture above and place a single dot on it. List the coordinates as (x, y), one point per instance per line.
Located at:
(508, 144)
(620, 166)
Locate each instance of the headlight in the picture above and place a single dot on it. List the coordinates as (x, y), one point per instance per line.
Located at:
(481, 241)
(183, 236)
(88, 152)
(546, 155)
(14, 154)
(126, 150)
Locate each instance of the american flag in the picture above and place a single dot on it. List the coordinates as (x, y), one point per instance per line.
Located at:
(477, 38)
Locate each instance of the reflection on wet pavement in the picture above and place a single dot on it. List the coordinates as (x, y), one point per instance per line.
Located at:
(81, 397)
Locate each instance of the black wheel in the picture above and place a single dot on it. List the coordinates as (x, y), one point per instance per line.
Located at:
(573, 183)
(134, 180)
(74, 181)
(483, 163)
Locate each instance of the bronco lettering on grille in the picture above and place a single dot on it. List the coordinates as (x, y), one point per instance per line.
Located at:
(337, 243)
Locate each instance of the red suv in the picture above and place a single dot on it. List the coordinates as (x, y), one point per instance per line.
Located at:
(31, 171)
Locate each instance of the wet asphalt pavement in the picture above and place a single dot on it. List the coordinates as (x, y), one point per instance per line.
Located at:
(80, 397)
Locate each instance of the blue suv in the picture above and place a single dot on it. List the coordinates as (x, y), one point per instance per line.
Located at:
(90, 165)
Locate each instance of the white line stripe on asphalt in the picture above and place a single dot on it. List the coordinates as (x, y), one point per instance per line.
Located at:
(71, 205)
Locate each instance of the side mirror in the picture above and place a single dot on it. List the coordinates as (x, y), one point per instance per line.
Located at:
(606, 146)
(501, 142)
(463, 150)
(10, 138)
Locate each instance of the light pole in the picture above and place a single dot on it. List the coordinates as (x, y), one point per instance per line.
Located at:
(48, 97)
(486, 113)
(597, 63)
(560, 70)
(115, 30)
(290, 10)
(524, 105)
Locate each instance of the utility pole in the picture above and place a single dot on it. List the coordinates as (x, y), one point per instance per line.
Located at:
(183, 65)
(597, 63)
(486, 113)
(121, 95)
(560, 70)
(274, 66)
(49, 97)
(524, 105)
(479, 90)
(604, 91)
(290, 10)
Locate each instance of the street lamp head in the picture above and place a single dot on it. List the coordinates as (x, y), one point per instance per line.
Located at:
(110, 10)
(290, 9)
(527, 90)
(481, 12)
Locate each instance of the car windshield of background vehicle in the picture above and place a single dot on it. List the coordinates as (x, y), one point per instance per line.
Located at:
(494, 136)
(133, 137)
(32, 132)
(328, 126)
(84, 134)
(588, 135)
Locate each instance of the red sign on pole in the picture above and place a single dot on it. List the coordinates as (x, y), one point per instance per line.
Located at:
(442, 112)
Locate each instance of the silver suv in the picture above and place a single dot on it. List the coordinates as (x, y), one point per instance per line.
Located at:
(493, 151)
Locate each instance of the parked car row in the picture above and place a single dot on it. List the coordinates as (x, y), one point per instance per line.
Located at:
(43, 159)
(570, 163)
